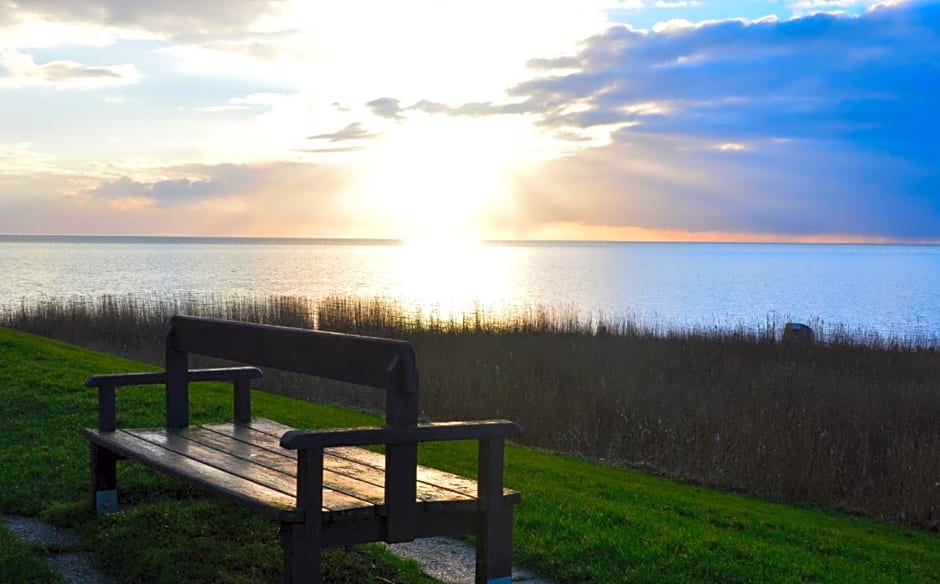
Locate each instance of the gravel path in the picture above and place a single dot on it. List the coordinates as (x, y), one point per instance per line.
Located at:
(64, 548)
(449, 560)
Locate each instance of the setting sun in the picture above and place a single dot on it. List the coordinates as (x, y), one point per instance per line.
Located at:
(437, 178)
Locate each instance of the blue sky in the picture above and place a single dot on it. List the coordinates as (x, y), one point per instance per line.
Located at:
(800, 120)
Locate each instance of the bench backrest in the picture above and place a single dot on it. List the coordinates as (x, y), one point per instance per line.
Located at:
(374, 362)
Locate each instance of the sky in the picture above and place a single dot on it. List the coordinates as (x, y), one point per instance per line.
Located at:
(738, 120)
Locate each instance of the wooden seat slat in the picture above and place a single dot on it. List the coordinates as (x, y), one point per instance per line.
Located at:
(368, 487)
(433, 485)
(454, 486)
(267, 501)
(281, 461)
(334, 499)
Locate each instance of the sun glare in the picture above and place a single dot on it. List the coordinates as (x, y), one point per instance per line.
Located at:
(434, 180)
(452, 278)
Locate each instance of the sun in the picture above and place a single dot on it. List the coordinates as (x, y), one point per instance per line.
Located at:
(437, 179)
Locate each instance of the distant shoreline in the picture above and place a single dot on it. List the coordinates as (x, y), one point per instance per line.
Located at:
(265, 240)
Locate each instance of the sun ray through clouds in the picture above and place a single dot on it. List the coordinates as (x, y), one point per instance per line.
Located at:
(435, 180)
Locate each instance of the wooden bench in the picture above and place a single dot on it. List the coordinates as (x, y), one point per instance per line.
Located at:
(323, 488)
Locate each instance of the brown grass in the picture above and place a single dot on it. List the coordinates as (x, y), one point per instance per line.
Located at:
(851, 422)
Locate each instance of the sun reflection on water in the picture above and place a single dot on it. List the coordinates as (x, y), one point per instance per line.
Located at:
(452, 277)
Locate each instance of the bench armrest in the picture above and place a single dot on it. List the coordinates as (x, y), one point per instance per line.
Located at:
(437, 432)
(216, 374)
(400, 470)
(106, 384)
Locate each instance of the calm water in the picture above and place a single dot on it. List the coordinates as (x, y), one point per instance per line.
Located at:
(890, 289)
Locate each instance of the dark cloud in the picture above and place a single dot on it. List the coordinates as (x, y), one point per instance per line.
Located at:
(829, 120)
(330, 150)
(64, 71)
(824, 76)
(177, 18)
(286, 198)
(354, 131)
(672, 183)
(386, 107)
(165, 192)
(391, 108)
(261, 183)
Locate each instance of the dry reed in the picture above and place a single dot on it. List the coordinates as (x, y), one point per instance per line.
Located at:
(851, 422)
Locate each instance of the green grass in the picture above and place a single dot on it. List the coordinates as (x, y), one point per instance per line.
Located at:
(22, 563)
(580, 521)
(849, 422)
(175, 534)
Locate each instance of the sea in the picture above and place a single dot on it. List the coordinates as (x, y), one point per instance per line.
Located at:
(889, 290)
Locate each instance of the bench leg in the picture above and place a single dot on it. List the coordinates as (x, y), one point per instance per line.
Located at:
(302, 553)
(103, 480)
(494, 546)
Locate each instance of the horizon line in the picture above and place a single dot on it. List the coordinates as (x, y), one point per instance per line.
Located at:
(798, 240)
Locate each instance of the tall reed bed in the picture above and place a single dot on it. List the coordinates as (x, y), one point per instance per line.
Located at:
(852, 422)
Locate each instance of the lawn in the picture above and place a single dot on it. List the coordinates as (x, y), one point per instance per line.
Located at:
(581, 521)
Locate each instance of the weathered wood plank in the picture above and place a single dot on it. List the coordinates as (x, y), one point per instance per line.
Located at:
(434, 432)
(242, 448)
(284, 482)
(356, 359)
(103, 480)
(269, 427)
(241, 399)
(459, 486)
(494, 530)
(177, 384)
(107, 408)
(266, 501)
(159, 377)
(365, 486)
(340, 461)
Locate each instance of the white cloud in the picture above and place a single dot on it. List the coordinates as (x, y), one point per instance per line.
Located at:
(17, 159)
(23, 71)
(677, 3)
(673, 25)
(287, 98)
(802, 7)
(805, 126)
(732, 147)
(31, 31)
(418, 49)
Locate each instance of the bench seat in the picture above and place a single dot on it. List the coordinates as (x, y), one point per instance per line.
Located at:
(245, 462)
(324, 486)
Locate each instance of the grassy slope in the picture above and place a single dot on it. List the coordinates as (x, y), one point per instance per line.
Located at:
(19, 563)
(44, 404)
(580, 522)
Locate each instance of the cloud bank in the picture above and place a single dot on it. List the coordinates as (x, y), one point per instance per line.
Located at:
(817, 125)
(821, 124)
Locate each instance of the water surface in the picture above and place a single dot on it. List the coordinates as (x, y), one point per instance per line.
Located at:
(887, 288)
